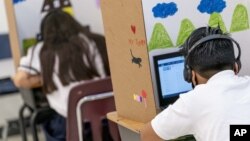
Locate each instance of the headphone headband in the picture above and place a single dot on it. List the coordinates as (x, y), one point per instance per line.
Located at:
(213, 37)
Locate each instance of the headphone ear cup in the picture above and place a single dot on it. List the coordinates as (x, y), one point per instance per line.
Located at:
(187, 74)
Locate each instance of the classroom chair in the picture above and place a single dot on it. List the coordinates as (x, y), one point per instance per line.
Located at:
(35, 101)
(90, 102)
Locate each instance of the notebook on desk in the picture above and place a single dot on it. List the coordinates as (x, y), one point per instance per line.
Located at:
(169, 77)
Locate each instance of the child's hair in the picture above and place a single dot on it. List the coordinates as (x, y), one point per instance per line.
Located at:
(212, 56)
(62, 43)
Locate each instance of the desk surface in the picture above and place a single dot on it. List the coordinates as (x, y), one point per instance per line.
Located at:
(129, 124)
(137, 126)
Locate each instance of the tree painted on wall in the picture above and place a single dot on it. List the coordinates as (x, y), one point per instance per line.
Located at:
(240, 19)
(186, 29)
(216, 20)
(159, 38)
(213, 7)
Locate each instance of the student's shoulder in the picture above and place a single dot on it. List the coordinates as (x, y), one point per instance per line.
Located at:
(198, 88)
(244, 77)
(36, 47)
(196, 93)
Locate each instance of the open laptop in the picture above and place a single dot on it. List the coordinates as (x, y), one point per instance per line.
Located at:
(169, 77)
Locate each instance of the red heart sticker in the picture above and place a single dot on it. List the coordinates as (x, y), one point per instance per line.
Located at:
(143, 94)
(133, 28)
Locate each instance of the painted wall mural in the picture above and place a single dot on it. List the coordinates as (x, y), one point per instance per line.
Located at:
(240, 19)
(17, 1)
(30, 12)
(163, 10)
(47, 5)
(168, 23)
(211, 6)
(164, 18)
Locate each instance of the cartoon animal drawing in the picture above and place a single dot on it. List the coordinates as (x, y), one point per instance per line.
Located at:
(136, 60)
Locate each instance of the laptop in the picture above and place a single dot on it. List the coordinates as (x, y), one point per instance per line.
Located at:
(169, 77)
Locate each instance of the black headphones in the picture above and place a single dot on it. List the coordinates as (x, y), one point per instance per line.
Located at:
(187, 72)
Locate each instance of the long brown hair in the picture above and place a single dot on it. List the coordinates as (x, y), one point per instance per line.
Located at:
(60, 33)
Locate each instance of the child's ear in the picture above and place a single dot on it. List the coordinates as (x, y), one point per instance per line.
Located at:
(236, 68)
(193, 78)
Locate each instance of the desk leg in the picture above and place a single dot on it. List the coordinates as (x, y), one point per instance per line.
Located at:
(33, 123)
(5, 132)
(128, 135)
(22, 123)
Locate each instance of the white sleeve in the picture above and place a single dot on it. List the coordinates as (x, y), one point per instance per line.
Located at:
(173, 122)
(31, 62)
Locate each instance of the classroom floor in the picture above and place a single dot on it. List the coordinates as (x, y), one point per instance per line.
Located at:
(19, 138)
(9, 108)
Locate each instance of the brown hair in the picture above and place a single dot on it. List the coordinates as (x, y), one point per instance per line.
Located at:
(60, 33)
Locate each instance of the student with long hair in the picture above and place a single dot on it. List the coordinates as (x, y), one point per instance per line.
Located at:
(63, 59)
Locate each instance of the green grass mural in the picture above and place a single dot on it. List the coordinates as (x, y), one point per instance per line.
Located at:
(159, 38)
(185, 30)
(240, 19)
(216, 20)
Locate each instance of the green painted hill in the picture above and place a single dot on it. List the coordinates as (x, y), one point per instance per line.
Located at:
(185, 30)
(216, 20)
(159, 38)
(240, 19)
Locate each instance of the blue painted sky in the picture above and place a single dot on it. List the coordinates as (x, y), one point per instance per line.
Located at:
(163, 10)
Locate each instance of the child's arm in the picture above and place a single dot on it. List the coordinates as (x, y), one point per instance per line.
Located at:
(23, 79)
(28, 72)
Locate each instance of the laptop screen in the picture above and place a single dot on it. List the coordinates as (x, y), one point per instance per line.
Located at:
(169, 77)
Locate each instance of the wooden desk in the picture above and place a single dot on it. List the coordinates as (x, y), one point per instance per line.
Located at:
(129, 129)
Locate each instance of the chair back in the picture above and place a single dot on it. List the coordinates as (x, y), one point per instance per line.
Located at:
(94, 101)
(34, 98)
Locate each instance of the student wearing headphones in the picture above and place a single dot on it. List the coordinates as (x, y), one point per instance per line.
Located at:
(220, 97)
(63, 59)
